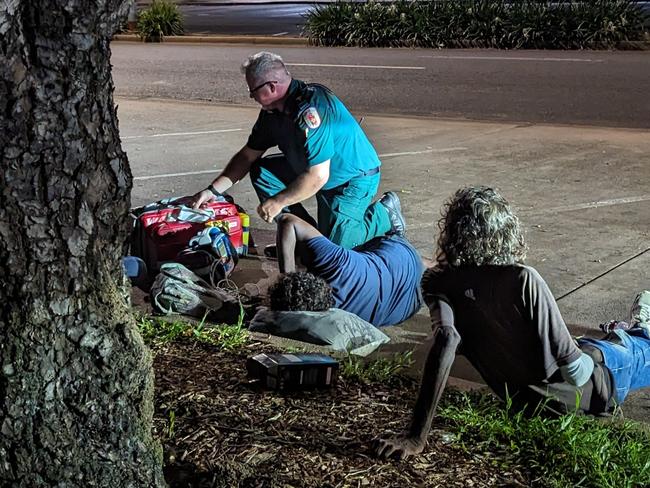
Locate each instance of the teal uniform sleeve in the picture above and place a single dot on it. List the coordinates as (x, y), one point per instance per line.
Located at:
(317, 121)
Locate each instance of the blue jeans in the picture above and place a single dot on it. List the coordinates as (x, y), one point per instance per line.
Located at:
(626, 354)
(346, 214)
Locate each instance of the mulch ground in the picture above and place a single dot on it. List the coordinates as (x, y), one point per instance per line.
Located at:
(219, 430)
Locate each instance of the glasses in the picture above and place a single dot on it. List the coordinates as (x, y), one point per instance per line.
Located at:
(251, 93)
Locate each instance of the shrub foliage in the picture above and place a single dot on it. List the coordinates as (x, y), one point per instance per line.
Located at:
(161, 19)
(502, 24)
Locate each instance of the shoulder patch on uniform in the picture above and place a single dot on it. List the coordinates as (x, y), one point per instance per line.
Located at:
(311, 118)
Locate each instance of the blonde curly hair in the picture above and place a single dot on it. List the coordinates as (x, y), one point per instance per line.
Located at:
(478, 227)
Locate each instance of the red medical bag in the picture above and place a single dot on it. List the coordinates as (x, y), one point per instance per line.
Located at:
(163, 229)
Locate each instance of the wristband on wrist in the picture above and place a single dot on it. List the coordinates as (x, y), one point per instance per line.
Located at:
(214, 191)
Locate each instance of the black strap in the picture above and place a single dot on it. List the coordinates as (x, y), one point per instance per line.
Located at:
(370, 172)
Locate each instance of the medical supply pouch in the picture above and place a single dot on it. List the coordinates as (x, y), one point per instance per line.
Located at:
(210, 255)
(177, 290)
(245, 231)
(293, 371)
(162, 229)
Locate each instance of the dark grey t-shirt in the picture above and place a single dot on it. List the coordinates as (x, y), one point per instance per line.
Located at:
(510, 326)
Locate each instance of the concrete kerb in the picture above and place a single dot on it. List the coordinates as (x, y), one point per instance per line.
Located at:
(285, 41)
(297, 41)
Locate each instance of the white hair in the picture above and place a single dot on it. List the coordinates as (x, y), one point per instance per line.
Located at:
(257, 66)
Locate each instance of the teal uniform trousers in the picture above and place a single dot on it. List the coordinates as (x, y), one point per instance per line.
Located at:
(346, 213)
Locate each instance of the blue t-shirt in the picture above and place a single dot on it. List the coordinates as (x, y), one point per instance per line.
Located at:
(315, 126)
(378, 281)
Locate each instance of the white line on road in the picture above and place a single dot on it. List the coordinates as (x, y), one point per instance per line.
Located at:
(564, 208)
(516, 58)
(426, 151)
(387, 155)
(176, 134)
(171, 175)
(584, 206)
(353, 66)
(280, 34)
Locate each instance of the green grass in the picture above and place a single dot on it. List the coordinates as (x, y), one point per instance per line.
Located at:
(157, 331)
(171, 425)
(378, 370)
(572, 450)
(502, 24)
(296, 349)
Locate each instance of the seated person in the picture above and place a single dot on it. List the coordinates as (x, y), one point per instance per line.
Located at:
(378, 281)
(503, 317)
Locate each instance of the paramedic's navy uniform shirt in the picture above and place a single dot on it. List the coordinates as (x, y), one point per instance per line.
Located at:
(337, 137)
(379, 281)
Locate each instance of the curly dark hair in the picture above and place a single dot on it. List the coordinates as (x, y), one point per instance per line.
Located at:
(300, 291)
(478, 227)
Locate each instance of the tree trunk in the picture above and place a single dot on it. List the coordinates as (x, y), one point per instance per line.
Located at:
(76, 384)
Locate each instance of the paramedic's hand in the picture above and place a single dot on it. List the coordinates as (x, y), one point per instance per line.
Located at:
(269, 209)
(398, 447)
(202, 197)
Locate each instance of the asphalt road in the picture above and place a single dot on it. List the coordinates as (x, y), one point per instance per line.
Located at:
(251, 19)
(554, 87)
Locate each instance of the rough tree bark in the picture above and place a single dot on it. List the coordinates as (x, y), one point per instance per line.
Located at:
(76, 383)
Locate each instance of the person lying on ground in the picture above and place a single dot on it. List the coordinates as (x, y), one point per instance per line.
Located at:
(378, 281)
(324, 153)
(502, 316)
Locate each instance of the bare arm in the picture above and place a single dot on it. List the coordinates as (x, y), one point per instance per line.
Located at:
(441, 356)
(434, 378)
(238, 167)
(292, 231)
(306, 185)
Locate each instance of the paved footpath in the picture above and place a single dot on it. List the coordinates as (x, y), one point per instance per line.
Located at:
(582, 194)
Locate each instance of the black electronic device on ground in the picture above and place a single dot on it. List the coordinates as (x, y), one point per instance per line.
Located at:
(293, 371)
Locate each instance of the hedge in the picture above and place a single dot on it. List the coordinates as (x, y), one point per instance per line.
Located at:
(514, 24)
